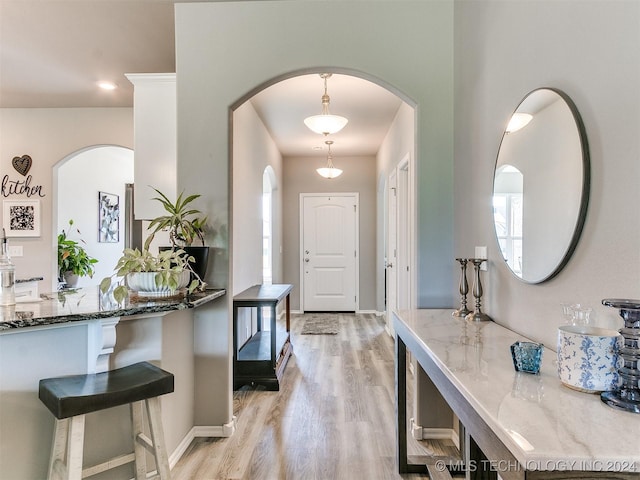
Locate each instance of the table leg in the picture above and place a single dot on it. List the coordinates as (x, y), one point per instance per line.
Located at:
(401, 408)
(401, 404)
(259, 318)
(287, 311)
(273, 336)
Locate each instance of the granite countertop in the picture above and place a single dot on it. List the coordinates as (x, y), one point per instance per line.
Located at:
(545, 425)
(27, 280)
(88, 304)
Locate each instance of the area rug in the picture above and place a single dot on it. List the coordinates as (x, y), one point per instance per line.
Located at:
(320, 324)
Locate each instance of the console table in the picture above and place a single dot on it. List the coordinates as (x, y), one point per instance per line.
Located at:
(262, 358)
(516, 425)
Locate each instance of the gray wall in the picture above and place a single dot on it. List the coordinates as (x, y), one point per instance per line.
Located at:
(225, 50)
(589, 50)
(359, 175)
(49, 135)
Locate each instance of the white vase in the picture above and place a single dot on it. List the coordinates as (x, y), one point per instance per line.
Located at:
(144, 283)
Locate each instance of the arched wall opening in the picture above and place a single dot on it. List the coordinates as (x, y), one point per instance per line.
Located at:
(252, 128)
(78, 179)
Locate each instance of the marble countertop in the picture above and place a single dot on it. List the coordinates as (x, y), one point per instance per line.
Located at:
(545, 425)
(87, 304)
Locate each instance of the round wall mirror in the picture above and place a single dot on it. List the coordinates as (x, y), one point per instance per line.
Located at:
(541, 185)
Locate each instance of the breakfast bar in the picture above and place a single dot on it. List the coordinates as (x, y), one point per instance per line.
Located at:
(82, 331)
(516, 425)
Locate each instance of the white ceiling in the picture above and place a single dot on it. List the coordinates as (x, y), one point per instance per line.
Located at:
(52, 54)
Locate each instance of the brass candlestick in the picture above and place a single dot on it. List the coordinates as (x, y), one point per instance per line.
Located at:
(477, 315)
(463, 311)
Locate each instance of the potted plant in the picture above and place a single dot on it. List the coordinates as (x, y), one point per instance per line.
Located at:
(73, 260)
(185, 225)
(152, 275)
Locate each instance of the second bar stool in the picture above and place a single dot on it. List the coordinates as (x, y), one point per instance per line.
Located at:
(70, 398)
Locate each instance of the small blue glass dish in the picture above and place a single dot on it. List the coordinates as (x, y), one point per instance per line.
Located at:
(527, 356)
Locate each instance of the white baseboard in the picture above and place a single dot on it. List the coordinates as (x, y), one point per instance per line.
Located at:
(439, 434)
(181, 448)
(415, 430)
(225, 430)
(366, 312)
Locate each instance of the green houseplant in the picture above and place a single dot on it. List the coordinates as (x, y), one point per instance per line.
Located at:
(73, 259)
(186, 225)
(169, 271)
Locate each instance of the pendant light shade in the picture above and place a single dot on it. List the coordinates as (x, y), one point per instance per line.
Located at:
(325, 123)
(329, 171)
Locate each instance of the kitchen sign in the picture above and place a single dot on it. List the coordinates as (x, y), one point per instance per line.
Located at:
(22, 165)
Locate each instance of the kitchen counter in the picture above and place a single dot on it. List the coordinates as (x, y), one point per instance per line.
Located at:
(90, 304)
(82, 331)
(523, 423)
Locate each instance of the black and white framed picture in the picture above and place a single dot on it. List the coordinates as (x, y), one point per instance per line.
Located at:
(108, 217)
(21, 218)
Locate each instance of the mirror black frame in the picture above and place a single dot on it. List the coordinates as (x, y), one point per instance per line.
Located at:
(586, 185)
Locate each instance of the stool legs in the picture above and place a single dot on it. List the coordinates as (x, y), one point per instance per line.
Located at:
(68, 444)
(137, 431)
(157, 433)
(141, 442)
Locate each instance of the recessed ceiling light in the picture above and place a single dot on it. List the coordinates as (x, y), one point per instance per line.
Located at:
(107, 85)
(317, 148)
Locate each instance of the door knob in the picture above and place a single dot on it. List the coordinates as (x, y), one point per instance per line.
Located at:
(306, 260)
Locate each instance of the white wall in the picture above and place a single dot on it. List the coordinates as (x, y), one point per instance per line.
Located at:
(49, 135)
(80, 178)
(589, 50)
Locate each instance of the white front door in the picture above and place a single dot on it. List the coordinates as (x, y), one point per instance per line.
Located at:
(329, 252)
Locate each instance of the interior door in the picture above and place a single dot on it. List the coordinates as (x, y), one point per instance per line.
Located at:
(329, 253)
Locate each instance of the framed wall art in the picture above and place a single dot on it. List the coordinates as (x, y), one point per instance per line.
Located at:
(21, 218)
(108, 218)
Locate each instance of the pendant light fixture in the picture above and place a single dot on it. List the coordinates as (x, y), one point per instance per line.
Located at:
(325, 123)
(329, 171)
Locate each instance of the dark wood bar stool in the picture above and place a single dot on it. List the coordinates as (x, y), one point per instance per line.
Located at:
(70, 398)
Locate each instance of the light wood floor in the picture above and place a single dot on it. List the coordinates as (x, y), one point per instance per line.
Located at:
(333, 418)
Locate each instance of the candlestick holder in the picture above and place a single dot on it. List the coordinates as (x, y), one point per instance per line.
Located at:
(627, 395)
(463, 311)
(477, 315)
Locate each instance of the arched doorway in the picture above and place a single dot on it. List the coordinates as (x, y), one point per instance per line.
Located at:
(78, 180)
(278, 108)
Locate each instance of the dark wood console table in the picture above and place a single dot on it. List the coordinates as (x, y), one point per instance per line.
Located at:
(262, 359)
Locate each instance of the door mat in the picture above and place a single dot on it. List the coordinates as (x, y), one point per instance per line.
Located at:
(320, 324)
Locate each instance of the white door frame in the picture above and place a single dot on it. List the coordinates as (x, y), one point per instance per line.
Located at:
(406, 236)
(356, 197)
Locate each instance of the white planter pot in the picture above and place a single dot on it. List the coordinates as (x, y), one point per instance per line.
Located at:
(144, 284)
